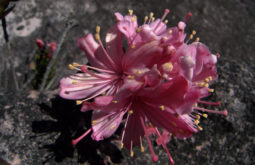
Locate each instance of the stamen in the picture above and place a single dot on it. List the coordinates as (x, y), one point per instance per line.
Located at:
(166, 21)
(131, 149)
(197, 39)
(162, 18)
(200, 128)
(133, 19)
(188, 17)
(115, 101)
(141, 144)
(211, 90)
(97, 36)
(210, 103)
(138, 30)
(75, 141)
(75, 64)
(224, 112)
(112, 127)
(121, 145)
(154, 156)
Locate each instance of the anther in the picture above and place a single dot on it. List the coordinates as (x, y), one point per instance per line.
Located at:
(133, 19)
(97, 29)
(211, 90)
(138, 72)
(115, 101)
(166, 21)
(194, 32)
(142, 149)
(191, 36)
(94, 122)
(205, 115)
(78, 102)
(152, 19)
(200, 128)
(138, 30)
(132, 46)
(97, 37)
(145, 19)
(195, 104)
(132, 153)
(74, 82)
(168, 67)
(121, 145)
(196, 122)
(206, 85)
(130, 112)
(75, 64)
(112, 127)
(71, 66)
(130, 12)
(151, 14)
(197, 117)
(197, 39)
(162, 107)
(170, 31)
(130, 77)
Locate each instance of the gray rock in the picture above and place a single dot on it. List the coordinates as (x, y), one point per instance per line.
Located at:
(38, 128)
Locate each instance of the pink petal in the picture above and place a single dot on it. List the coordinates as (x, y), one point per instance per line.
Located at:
(89, 46)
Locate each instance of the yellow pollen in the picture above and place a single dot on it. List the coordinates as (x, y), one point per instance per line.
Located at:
(75, 64)
(207, 80)
(142, 149)
(132, 46)
(197, 39)
(165, 38)
(115, 101)
(196, 122)
(121, 145)
(206, 85)
(132, 153)
(112, 127)
(195, 105)
(162, 107)
(170, 31)
(71, 66)
(98, 29)
(168, 67)
(97, 37)
(78, 102)
(200, 128)
(130, 12)
(152, 19)
(197, 117)
(74, 82)
(133, 19)
(151, 14)
(94, 122)
(138, 30)
(130, 77)
(210, 78)
(130, 112)
(146, 18)
(201, 84)
(211, 90)
(138, 72)
(194, 32)
(166, 21)
(205, 115)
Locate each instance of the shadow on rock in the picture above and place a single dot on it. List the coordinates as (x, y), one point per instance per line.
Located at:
(70, 121)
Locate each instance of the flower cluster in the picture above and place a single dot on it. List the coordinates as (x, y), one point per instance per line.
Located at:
(154, 86)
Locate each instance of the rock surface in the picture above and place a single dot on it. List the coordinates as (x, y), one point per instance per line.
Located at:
(37, 128)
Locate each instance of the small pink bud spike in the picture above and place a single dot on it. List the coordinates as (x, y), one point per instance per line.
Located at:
(39, 43)
(75, 141)
(187, 17)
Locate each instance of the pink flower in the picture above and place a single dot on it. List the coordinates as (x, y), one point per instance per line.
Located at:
(154, 86)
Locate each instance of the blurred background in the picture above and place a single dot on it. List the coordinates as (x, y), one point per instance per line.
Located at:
(36, 126)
